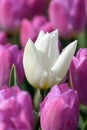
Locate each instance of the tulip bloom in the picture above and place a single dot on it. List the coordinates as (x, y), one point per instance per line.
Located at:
(42, 63)
(60, 109)
(15, 113)
(10, 14)
(9, 55)
(68, 16)
(78, 75)
(13, 11)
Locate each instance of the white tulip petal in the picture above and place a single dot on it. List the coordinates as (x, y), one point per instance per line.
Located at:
(54, 44)
(40, 36)
(62, 64)
(43, 49)
(43, 81)
(53, 51)
(54, 33)
(32, 66)
(49, 49)
(43, 43)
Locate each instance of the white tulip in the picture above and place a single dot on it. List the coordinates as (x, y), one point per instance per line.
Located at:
(43, 65)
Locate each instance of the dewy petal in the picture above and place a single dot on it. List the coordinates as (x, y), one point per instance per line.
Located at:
(62, 64)
(33, 67)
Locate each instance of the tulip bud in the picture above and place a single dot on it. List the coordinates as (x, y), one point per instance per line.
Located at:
(78, 74)
(60, 109)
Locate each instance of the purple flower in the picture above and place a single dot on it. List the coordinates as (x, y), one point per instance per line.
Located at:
(16, 112)
(78, 74)
(37, 7)
(31, 29)
(60, 109)
(10, 13)
(13, 11)
(68, 16)
(86, 10)
(3, 37)
(9, 55)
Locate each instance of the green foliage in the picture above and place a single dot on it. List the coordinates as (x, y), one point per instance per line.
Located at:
(85, 125)
(13, 76)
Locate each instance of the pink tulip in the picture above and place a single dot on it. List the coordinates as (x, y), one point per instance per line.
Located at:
(68, 16)
(16, 112)
(3, 37)
(78, 74)
(31, 29)
(9, 55)
(13, 11)
(60, 109)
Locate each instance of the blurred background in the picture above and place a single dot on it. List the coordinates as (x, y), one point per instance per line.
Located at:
(23, 19)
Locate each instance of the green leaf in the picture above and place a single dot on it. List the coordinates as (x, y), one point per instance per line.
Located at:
(82, 38)
(81, 123)
(85, 125)
(13, 76)
(27, 87)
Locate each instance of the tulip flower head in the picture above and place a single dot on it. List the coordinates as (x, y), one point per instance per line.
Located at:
(61, 109)
(68, 16)
(15, 113)
(78, 74)
(43, 65)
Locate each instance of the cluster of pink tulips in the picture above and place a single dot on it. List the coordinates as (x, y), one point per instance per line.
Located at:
(43, 65)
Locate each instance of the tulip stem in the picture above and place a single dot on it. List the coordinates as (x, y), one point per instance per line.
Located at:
(42, 93)
(37, 116)
(37, 120)
(37, 124)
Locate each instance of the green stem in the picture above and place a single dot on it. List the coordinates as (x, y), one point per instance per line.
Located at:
(37, 121)
(37, 116)
(37, 124)
(42, 94)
